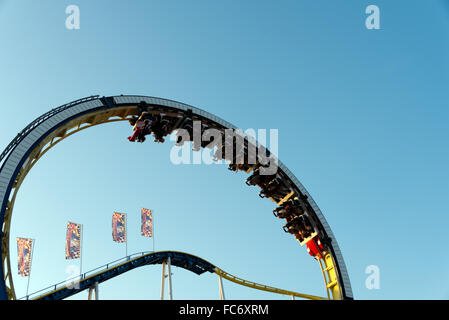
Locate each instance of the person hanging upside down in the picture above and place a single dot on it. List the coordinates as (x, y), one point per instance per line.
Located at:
(138, 130)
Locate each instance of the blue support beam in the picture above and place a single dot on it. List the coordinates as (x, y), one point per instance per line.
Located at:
(178, 259)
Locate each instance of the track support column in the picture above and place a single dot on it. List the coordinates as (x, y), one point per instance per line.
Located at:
(93, 288)
(220, 287)
(163, 280)
(170, 289)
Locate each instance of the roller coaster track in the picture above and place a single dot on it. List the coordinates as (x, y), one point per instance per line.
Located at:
(48, 130)
(187, 261)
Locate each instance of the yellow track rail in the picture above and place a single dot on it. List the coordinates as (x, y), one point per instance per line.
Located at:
(263, 287)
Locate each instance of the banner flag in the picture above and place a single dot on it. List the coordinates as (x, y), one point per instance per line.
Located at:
(147, 223)
(119, 227)
(24, 252)
(73, 241)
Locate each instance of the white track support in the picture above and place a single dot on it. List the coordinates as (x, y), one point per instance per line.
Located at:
(97, 294)
(163, 280)
(220, 286)
(93, 288)
(170, 289)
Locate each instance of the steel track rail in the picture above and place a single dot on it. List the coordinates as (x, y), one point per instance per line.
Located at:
(46, 131)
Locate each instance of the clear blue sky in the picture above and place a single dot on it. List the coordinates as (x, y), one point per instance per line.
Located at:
(362, 118)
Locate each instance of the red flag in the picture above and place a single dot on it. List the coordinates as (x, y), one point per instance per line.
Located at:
(24, 252)
(73, 241)
(147, 222)
(119, 227)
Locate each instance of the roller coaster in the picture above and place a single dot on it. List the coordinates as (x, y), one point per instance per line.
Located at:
(303, 217)
(91, 279)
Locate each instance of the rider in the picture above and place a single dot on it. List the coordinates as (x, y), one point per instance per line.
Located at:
(139, 127)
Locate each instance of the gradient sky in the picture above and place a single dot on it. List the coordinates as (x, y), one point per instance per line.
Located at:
(362, 118)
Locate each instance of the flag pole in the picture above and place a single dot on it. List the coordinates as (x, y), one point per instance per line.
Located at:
(31, 263)
(126, 234)
(81, 251)
(152, 217)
